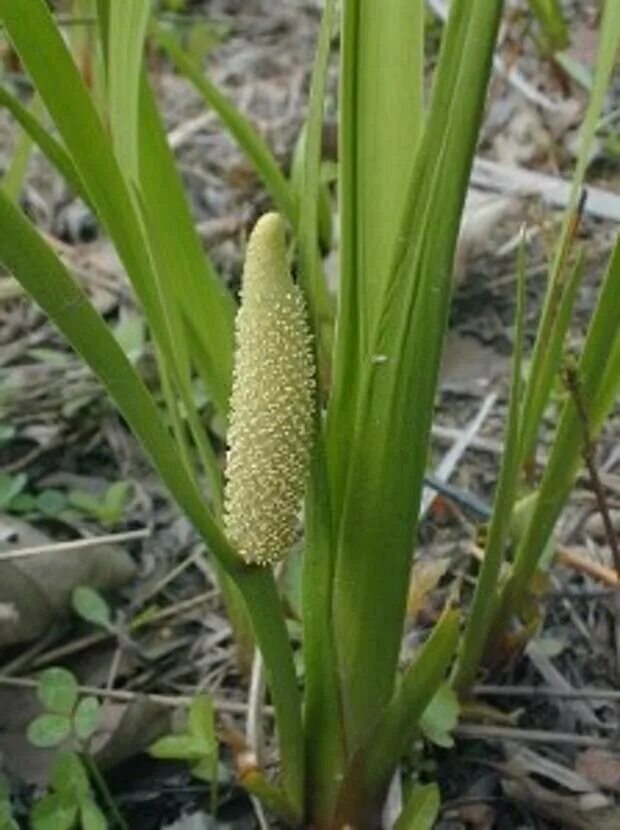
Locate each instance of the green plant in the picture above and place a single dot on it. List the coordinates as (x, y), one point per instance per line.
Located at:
(403, 172)
(197, 745)
(70, 804)
(108, 508)
(65, 714)
(68, 718)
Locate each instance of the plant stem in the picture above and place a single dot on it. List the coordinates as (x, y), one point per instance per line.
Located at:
(100, 783)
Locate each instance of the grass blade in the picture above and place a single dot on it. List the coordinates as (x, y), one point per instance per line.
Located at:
(421, 810)
(207, 309)
(13, 179)
(551, 18)
(126, 31)
(248, 139)
(325, 751)
(371, 767)
(33, 32)
(543, 370)
(45, 141)
(46, 279)
(599, 378)
(481, 614)
(379, 510)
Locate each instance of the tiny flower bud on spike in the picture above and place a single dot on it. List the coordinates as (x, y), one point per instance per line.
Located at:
(271, 404)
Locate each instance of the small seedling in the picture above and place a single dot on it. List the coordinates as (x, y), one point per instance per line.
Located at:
(71, 803)
(66, 714)
(107, 509)
(197, 745)
(92, 607)
(10, 488)
(7, 822)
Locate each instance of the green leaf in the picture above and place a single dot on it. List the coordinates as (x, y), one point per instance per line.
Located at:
(201, 723)
(598, 375)
(7, 822)
(53, 812)
(381, 412)
(485, 596)
(369, 771)
(551, 18)
(91, 816)
(91, 606)
(421, 810)
(45, 141)
(116, 499)
(47, 281)
(126, 32)
(13, 179)
(541, 381)
(51, 502)
(86, 717)
(85, 502)
(48, 730)
(68, 777)
(130, 333)
(441, 717)
(57, 690)
(206, 770)
(248, 139)
(180, 747)
(10, 487)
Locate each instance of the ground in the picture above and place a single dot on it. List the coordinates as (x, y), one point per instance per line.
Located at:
(537, 756)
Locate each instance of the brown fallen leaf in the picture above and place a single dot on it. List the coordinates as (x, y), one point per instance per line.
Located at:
(425, 577)
(588, 811)
(601, 767)
(38, 588)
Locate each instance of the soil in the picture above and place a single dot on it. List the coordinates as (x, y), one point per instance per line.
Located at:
(549, 762)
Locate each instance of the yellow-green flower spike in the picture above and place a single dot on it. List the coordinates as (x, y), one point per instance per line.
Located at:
(271, 404)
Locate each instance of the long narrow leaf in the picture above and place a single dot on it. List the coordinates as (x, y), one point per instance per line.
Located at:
(249, 140)
(205, 305)
(599, 379)
(45, 141)
(372, 765)
(46, 279)
(42, 49)
(126, 31)
(378, 515)
(543, 367)
(325, 750)
(481, 614)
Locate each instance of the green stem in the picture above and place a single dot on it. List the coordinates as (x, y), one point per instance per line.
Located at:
(100, 783)
(258, 586)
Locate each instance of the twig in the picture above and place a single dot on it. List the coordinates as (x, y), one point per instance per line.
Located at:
(125, 696)
(573, 386)
(546, 691)
(94, 639)
(457, 450)
(556, 192)
(75, 544)
(571, 559)
(539, 736)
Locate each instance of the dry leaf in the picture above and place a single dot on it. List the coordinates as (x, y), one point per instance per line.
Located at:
(601, 767)
(425, 577)
(39, 587)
